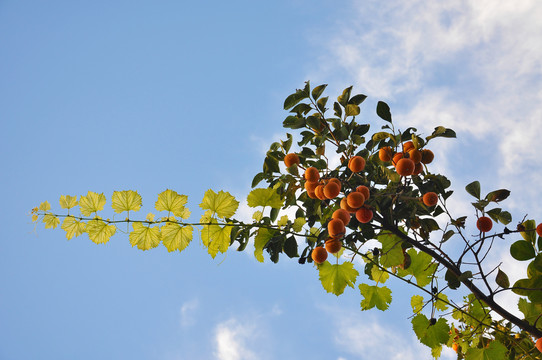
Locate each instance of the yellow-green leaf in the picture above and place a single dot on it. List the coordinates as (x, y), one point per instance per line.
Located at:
(34, 217)
(264, 197)
(68, 202)
(298, 224)
(283, 221)
(176, 237)
(335, 277)
(375, 296)
(99, 231)
(92, 202)
(144, 237)
(216, 238)
(222, 204)
(416, 302)
(150, 217)
(45, 206)
(258, 215)
(73, 227)
(261, 239)
(380, 276)
(50, 221)
(127, 200)
(171, 201)
(441, 303)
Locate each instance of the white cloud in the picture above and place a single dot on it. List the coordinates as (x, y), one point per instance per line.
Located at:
(187, 312)
(231, 339)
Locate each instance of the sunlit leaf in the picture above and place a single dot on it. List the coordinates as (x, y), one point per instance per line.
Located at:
(416, 301)
(431, 335)
(257, 216)
(171, 201)
(222, 204)
(529, 234)
(127, 200)
(375, 296)
(380, 276)
(99, 231)
(176, 237)
(144, 237)
(67, 201)
(392, 253)
(264, 197)
(442, 302)
(45, 206)
(216, 238)
(283, 221)
(260, 240)
(34, 217)
(420, 267)
(51, 221)
(73, 227)
(335, 277)
(298, 224)
(91, 203)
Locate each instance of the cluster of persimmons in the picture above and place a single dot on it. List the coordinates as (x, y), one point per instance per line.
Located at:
(408, 162)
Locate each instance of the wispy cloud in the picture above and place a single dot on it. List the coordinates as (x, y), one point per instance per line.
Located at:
(188, 312)
(232, 338)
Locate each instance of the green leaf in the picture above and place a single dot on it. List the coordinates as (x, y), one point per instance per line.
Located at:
(383, 111)
(144, 237)
(441, 131)
(260, 240)
(216, 238)
(357, 99)
(442, 302)
(522, 250)
(495, 351)
(73, 227)
(452, 279)
(343, 99)
(416, 302)
(430, 335)
(91, 203)
(264, 197)
(67, 201)
(298, 224)
(375, 296)
(420, 267)
(474, 189)
(290, 247)
(392, 253)
(99, 231)
(317, 91)
(127, 200)
(380, 276)
(171, 201)
(335, 277)
(502, 279)
(296, 97)
(222, 204)
(531, 311)
(176, 237)
(50, 221)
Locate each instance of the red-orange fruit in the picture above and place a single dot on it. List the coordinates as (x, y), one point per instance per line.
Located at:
(418, 169)
(409, 145)
(364, 190)
(539, 229)
(342, 215)
(355, 200)
(484, 224)
(405, 167)
(430, 199)
(312, 194)
(398, 156)
(291, 159)
(310, 186)
(345, 206)
(319, 191)
(427, 156)
(385, 154)
(319, 255)
(312, 174)
(332, 190)
(455, 346)
(364, 215)
(333, 246)
(336, 228)
(356, 164)
(539, 344)
(335, 180)
(415, 155)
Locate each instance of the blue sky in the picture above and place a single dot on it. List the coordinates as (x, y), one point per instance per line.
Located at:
(107, 96)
